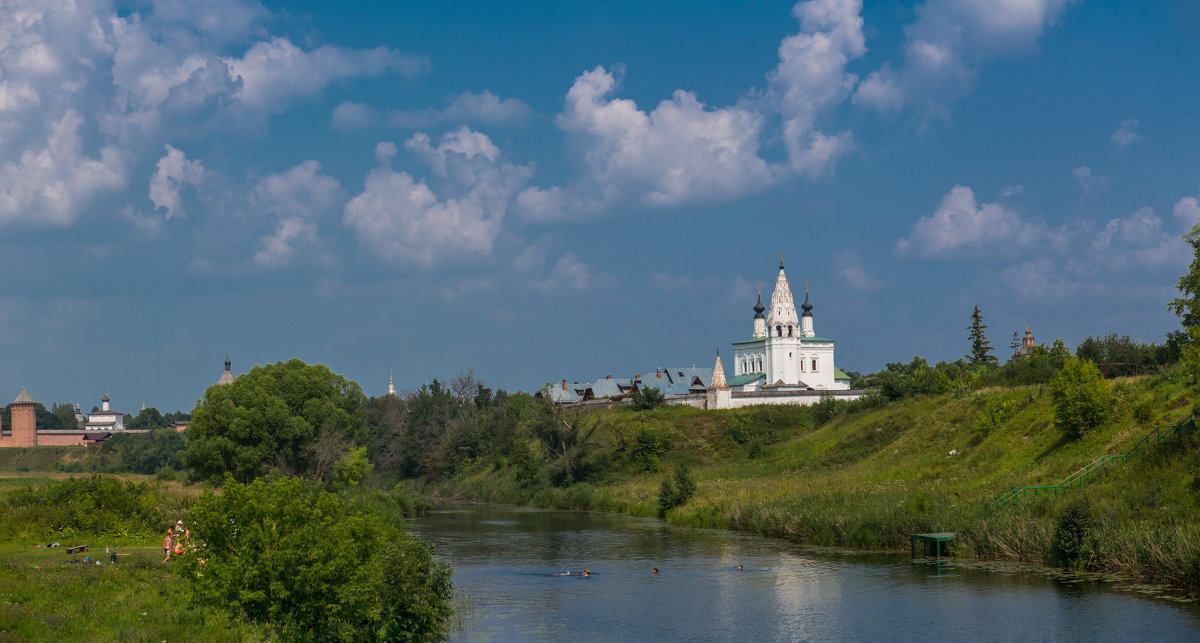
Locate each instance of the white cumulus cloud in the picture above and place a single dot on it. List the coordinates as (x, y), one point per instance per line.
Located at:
(811, 77)
(1126, 134)
(405, 220)
(1187, 212)
(91, 91)
(52, 179)
(297, 199)
(961, 223)
(1089, 183)
(174, 172)
(948, 43)
(685, 151)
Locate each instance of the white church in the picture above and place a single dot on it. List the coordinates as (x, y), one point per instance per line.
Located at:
(783, 362)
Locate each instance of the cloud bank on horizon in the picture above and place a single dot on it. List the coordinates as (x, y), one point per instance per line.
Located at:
(124, 117)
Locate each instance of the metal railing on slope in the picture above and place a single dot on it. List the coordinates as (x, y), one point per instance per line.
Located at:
(1160, 434)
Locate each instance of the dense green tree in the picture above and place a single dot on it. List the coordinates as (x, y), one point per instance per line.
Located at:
(289, 554)
(1082, 399)
(271, 419)
(1038, 367)
(565, 436)
(148, 419)
(65, 412)
(146, 452)
(1117, 355)
(1187, 308)
(50, 420)
(981, 348)
(644, 399)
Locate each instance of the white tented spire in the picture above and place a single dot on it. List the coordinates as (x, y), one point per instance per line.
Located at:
(782, 320)
(391, 386)
(718, 376)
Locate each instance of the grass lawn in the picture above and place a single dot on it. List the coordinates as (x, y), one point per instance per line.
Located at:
(45, 598)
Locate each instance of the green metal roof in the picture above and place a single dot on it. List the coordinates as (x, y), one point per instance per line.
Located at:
(738, 380)
(749, 341)
(839, 374)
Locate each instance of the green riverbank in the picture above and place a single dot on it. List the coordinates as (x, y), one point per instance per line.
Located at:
(868, 477)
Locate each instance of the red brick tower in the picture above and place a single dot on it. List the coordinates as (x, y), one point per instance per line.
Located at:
(24, 420)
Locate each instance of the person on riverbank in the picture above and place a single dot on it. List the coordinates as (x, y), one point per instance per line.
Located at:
(168, 545)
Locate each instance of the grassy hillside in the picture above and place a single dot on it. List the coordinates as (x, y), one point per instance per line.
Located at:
(869, 477)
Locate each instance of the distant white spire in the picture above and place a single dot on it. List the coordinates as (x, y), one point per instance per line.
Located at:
(782, 320)
(391, 386)
(227, 375)
(718, 376)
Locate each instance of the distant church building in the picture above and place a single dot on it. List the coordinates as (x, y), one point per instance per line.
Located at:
(783, 362)
(100, 426)
(105, 419)
(227, 376)
(1027, 344)
(784, 351)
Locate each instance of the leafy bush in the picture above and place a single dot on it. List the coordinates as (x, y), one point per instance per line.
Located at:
(645, 445)
(96, 505)
(286, 553)
(146, 452)
(1069, 547)
(1081, 397)
(995, 412)
(646, 399)
(676, 490)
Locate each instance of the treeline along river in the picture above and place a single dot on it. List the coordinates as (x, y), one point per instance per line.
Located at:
(512, 565)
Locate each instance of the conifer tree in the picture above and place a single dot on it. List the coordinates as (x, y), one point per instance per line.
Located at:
(981, 348)
(1015, 345)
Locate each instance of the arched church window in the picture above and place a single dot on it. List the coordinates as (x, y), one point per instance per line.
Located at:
(779, 331)
(789, 330)
(814, 365)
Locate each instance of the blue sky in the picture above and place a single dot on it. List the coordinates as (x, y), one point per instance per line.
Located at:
(538, 191)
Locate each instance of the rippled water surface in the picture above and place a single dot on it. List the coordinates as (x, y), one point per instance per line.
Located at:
(510, 563)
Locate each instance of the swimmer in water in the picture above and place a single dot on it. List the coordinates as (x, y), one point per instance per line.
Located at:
(587, 572)
(740, 568)
(654, 571)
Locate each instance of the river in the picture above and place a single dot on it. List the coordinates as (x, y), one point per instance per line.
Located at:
(509, 564)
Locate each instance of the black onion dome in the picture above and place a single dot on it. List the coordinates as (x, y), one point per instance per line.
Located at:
(105, 398)
(759, 308)
(806, 307)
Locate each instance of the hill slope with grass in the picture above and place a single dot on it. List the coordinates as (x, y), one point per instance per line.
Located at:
(869, 475)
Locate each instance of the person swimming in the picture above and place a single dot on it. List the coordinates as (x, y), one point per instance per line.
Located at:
(587, 572)
(654, 571)
(740, 568)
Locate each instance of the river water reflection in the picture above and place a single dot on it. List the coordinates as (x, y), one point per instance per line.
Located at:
(509, 563)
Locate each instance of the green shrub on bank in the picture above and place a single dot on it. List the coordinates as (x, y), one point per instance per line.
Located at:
(1082, 400)
(288, 554)
(96, 505)
(676, 490)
